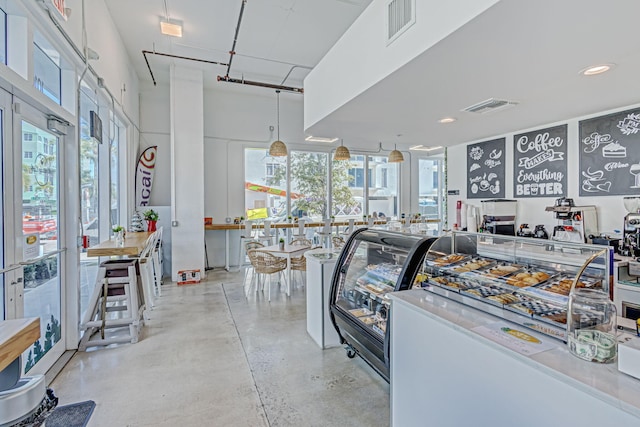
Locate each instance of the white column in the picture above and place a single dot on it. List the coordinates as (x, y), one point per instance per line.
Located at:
(187, 170)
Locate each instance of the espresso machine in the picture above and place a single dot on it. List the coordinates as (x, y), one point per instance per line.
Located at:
(574, 223)
(631, 234)
(499, 216)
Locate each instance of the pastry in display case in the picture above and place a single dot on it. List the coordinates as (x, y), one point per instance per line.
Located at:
(372, 264)
(525, 281)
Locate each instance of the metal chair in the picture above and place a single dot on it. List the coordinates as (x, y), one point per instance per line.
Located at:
(266, 264)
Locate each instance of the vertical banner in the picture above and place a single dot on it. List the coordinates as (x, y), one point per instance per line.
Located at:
(540, 163)
(144, 175)
(485, 169)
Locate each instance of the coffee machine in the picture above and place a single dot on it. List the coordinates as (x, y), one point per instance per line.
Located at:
(631, 236)
(574, 223)
(499, 216)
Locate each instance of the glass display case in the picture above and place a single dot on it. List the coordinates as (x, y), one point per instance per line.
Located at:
(523, 280)
(372, 264)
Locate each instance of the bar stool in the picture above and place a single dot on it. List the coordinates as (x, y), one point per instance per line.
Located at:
(267, 235)
(301, 231)
(116, 293)
(325, 234)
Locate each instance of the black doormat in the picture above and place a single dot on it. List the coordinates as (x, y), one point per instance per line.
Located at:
(74, 415)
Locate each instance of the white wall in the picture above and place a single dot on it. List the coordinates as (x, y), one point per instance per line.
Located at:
(234, 120)
(362, 58)
(610, 209)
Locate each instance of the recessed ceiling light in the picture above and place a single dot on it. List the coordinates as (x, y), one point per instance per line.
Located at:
(596, 69)
(423, 148)
(447, 120)
(171, 28)
(312, 138)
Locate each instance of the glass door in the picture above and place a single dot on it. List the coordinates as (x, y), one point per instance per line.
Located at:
(37, 213)
(7, 278)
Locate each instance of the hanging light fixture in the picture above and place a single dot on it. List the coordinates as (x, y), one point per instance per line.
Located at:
(342, 152)
(277, 148)
(395, 156)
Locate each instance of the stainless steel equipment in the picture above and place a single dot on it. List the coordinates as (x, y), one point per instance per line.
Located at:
(499, 216)
(575, 223)
(631, 235)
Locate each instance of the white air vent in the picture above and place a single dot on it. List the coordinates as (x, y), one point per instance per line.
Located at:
(401, 14)
(489, 105)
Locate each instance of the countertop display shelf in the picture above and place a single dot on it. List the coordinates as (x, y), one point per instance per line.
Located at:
(515, 279)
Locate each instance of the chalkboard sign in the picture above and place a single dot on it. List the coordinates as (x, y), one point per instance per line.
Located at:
(610, 154)
(485, 169)
(540, 163)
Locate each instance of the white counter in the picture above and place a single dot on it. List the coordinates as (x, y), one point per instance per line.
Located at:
(445, 374)
(320, 265)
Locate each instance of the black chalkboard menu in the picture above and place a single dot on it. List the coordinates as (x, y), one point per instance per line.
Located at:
(485, 169)
(540, 163)
(610, 154)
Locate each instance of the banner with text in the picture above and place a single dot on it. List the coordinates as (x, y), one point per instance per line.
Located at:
(144, 175)
(540, 163)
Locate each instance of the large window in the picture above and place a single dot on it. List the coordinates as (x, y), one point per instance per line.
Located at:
(309, 185)
(3, 37)
(47, 76)
(114, 148)
(430, 189)
(382, 186)
(348, 182)
(266, 185)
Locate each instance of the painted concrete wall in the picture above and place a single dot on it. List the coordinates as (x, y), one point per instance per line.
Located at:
(362, 58)
(610, 209)
(235, 120)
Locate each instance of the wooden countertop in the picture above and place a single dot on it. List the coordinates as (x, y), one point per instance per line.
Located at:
(15, 337)
(132, 245)
(295, 224)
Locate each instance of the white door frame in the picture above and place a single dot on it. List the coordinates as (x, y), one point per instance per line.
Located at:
(22, 111)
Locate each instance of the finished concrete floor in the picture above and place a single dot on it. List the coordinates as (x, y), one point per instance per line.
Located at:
(210, 356)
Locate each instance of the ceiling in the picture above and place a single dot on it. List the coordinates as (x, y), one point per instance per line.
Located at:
(279, 41)
(526, 51)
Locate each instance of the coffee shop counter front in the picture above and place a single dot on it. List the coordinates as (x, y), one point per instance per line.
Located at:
(449, 367)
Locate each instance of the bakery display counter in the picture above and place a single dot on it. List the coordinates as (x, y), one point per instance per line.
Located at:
(446, 372)
(372, 264)
(525, 281)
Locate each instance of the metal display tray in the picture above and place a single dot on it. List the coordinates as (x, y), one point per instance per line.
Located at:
(537, 323)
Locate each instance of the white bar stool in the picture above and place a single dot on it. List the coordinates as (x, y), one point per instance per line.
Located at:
(325, 234)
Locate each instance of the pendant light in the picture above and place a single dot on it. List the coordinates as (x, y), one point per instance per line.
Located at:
(395, 156)
(342, 153)
(277, 148)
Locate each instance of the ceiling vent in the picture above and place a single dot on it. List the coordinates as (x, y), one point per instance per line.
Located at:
(401, 14)
(489, 105)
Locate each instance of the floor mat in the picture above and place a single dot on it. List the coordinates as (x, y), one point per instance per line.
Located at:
(74, 415)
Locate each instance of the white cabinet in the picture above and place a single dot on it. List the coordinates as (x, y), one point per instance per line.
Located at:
(320, 265)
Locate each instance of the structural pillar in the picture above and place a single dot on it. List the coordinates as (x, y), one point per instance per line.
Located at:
(187, 169)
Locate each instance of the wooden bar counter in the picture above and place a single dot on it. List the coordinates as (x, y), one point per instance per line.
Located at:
(132, 245)
(16, 336)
